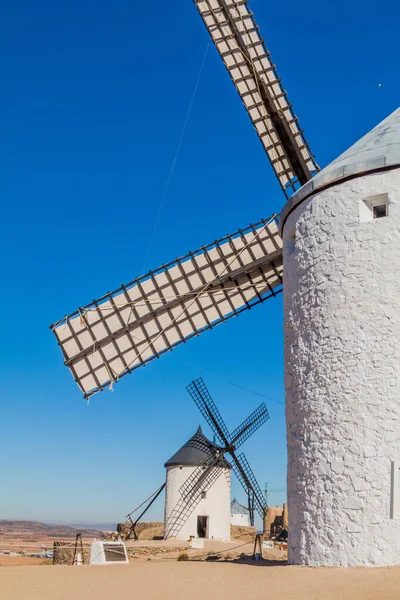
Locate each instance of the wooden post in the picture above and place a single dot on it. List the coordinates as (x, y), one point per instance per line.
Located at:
(79, 542)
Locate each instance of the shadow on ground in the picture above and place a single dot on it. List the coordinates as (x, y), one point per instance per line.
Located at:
(242, 560)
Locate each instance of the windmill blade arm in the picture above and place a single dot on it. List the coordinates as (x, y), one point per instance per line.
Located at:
(200, 477)
(153, 314)
(249, 426)
(198, 443)
(150, 501)
(203, 400)
(245, 475)
(236, 36)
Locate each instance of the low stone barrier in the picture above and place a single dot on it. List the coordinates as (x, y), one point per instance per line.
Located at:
(63, 553)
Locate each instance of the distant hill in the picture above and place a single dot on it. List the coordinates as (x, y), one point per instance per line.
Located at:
(97, 526)
(38, 528)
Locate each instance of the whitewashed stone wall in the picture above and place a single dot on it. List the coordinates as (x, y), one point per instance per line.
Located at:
(342, 375)
(242, 520)
(216, 506)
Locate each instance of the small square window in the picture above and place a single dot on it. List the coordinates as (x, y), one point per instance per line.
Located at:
(375, 207)
(379, 211)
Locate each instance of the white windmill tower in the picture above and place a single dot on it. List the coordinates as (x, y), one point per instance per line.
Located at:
(342, 356)
(197, 496)
(210, 517)
(341, 305)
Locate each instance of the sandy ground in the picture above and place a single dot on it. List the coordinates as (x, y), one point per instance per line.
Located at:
(173, 580)
(17, 561)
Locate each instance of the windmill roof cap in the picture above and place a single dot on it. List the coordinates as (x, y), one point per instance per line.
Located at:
(378, 150)
(237, 508)
(194, 452)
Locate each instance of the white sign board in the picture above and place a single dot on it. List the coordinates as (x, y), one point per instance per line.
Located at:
(108, 553)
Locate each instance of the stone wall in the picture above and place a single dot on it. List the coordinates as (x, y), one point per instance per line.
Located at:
(63, 553)
(243, 532)
(144, 530)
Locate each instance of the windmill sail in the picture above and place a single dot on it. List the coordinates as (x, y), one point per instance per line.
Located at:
(236, 36)
(202, 397)
(127, 328)
(249, 426)
(245, 475)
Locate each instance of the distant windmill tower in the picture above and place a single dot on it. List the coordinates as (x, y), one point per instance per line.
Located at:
(197, 496)
(239, 514)
(341, 256)
(205, 511)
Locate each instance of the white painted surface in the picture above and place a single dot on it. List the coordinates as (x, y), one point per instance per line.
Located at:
(342, 362)
(395, 490)
(98, 557)
(197, 543)
(216, 505)
(240, 519)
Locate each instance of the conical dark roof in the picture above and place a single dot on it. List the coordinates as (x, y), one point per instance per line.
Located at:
(194, 452)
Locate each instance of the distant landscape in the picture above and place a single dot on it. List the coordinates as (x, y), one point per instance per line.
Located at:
(31, 542)
(38, 528)
(86, 526)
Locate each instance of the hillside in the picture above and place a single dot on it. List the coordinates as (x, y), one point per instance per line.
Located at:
(38, 528)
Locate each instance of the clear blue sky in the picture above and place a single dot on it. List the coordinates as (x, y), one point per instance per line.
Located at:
(94, 95)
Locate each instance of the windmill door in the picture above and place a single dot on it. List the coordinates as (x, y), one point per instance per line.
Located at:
(202, 527)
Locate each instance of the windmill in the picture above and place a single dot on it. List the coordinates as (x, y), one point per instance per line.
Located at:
(127, 328)
(215, 462)
(340, 281)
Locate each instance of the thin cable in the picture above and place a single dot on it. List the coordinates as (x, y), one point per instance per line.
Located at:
(167, 186)
(144, 501)
(144, 301)
(242, 387)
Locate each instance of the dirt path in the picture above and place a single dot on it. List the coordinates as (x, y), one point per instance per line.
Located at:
(197, 581)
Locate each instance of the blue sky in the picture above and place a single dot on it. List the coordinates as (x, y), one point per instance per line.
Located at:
(94, 95)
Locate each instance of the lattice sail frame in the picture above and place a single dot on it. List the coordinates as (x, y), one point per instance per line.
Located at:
(249, 426)
(243, 471)
(204, 402)
(236, 36)
(127, 328)
(230, 441)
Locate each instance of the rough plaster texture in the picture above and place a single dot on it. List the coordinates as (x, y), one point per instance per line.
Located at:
(342, 375)
(216, 506)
